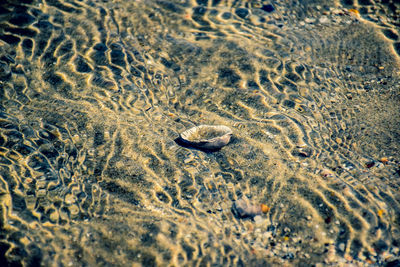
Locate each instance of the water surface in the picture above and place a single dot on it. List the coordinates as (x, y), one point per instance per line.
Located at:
(94, 93)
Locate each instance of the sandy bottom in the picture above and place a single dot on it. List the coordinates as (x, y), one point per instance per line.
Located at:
(93, 95)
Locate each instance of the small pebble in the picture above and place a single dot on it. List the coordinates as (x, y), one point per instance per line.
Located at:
(370, 164)
(380, 212)
(326, 173)
(187, 160)
(264, 208)
(323, 19)
(384, 160)
(309, 20)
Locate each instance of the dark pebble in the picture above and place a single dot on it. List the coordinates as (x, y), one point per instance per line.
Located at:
(370, 164)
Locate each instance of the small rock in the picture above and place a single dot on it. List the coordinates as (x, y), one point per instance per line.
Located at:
(326, 173)
(323, 19)
(303, 152)
(310, 20)
(188, 160)
(264, 208)
(384, 160)
(370, 164)
(379, 165)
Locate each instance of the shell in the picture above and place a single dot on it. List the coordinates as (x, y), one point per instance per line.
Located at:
(206, 137)
(242, 208)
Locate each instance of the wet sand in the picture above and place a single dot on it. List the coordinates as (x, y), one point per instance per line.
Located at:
(93, 95)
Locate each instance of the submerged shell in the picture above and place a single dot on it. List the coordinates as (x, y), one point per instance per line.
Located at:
(206, 137)
(242, 208)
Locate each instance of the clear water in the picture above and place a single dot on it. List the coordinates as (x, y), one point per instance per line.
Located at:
(93, 94)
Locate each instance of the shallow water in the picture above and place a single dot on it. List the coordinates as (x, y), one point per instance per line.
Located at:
(93, 94)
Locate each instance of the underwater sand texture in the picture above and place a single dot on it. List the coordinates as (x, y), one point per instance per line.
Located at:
(93, 94)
